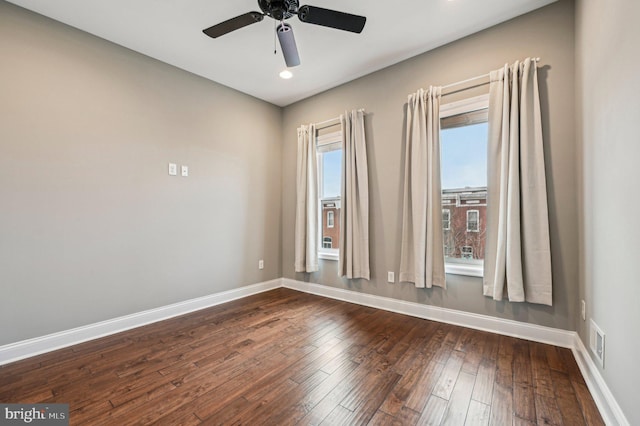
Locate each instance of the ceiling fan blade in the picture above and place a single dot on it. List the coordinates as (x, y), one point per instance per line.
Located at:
(288, 45)
(331, 18)
(233, 24)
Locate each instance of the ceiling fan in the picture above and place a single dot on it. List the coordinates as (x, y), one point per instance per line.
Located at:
(281, 10)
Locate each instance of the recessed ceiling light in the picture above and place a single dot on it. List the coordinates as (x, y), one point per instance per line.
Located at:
(286, 74)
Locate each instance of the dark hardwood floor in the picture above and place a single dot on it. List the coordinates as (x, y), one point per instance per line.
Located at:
(285, 358)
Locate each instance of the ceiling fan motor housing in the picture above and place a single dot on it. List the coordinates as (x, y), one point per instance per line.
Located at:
(279, 9)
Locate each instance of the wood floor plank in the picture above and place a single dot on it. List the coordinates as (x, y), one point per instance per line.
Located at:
(491, 346)
(303, 406)
(566, 399)
(524, 405)
(522, 364)
(485, 379)
(407, 417)
(589, 409)
(223, 416)
(447, 380)
(478, 414)
(571, 366)
(284, 358)
(433, 411)
(419, 373)
(504, 363)
(517, 421)
(338, 416)
(553, 358)
(334, 396)
(383, 419)
(367, 407)
(540, 371)
(456, 411)
(423, 387)
(188, 419)
(361, 393)
(501, 406)
(547, 411)
(277, 401)
(448, 344)
(473, 347)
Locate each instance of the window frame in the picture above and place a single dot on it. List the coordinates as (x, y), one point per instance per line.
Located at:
(448, 227)
(477, 221)
(327, 240)
(447, 110)
(469, 251)
(326, 143)
(330, 219)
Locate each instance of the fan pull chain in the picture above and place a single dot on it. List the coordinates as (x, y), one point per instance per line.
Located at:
(275, 30)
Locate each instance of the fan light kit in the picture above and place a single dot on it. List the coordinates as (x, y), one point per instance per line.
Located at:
(286, 74)
(281, 10)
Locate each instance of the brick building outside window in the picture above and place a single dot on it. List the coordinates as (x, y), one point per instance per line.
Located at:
(464, 214)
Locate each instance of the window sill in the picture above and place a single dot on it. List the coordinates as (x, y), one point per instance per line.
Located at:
(461, 269)
(328, 256)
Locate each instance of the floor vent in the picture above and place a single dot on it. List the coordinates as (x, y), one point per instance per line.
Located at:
(596, 343)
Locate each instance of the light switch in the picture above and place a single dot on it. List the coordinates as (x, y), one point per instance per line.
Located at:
(185, 171)
(173, 169)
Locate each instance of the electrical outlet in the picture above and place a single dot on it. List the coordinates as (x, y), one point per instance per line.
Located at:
(391, 277)
(173, 169)
(260, 264)
(583, 310)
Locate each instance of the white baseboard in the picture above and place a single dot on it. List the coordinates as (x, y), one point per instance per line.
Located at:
(31, 347)
(537, 333)
(608, 406)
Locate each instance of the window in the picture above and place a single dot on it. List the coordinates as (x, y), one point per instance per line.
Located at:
(329, 148)
(446, 220)
(473, 219)
(463, 137)
(327, 243)
(467, 252)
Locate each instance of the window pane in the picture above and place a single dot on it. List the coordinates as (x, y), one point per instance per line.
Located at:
(464, 156)
(331, 165)
(330, 161)
(330, 223)
(446, 219)
(464, 189)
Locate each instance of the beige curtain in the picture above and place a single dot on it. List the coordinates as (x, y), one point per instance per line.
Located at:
(517, 250)
(306, 234)
(354, 213)
(422, 252)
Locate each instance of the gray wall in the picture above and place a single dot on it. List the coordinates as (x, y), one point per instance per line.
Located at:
(91, 225)
(608, 93)
(548, 33)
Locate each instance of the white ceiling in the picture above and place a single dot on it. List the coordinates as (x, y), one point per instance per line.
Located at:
(171, 31)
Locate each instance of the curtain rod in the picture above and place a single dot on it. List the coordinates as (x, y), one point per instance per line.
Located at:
(331, 122)
(328, 123)
(536, 60)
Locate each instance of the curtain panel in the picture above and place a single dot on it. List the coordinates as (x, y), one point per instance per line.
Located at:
(306, 231)
(517, 249)
(354, 213)
(422, 251)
